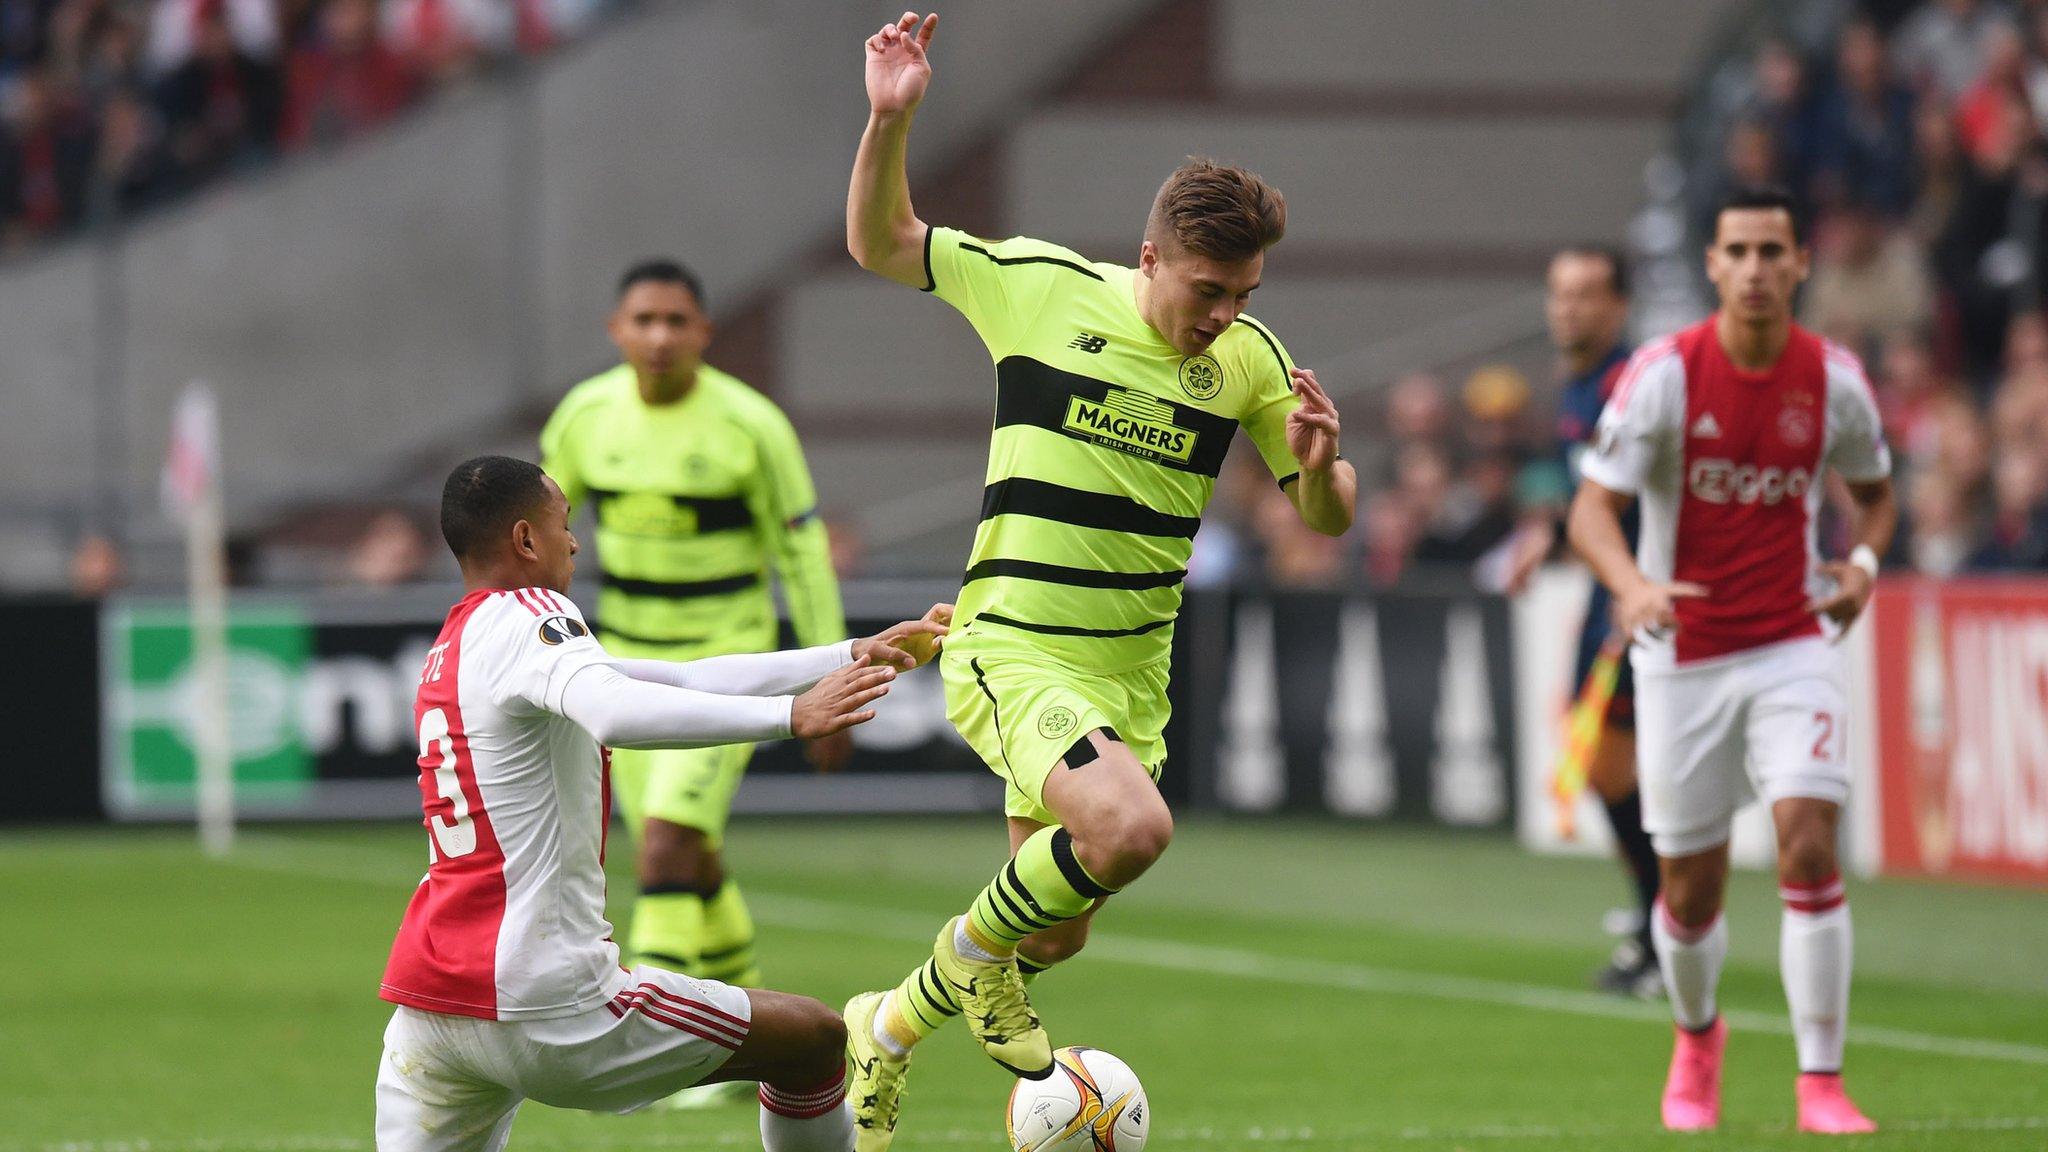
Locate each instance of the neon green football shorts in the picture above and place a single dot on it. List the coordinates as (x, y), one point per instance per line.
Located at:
(692, 787)
(1020, 712)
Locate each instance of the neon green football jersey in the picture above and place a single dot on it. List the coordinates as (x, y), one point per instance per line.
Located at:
(695, 502)
(1106, 447)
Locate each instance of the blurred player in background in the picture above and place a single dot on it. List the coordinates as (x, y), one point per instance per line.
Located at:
(1586, 306)
(1118, 391)
(1724, 433)
(507, 982)
(698, 489)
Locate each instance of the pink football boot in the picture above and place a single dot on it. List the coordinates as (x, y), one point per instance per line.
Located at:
(1692, 1092)
(1825, 1107)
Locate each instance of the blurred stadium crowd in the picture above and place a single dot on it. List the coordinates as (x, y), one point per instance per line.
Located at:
(1918, 131)
(111, 106)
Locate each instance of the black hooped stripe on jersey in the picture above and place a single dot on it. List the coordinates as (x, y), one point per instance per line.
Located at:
(714, 513)
(1074, 577)
(1006, 261)
(1067, 630)
(1030, 392)
(657, 641)
(1044, 500)
(683, 589)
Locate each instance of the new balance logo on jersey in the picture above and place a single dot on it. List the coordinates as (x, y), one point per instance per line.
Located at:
(1725, 482)
(1706, 427)
(1088, 342)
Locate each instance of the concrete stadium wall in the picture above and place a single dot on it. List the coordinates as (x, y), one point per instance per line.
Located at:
(356, 307)
(1465, 43)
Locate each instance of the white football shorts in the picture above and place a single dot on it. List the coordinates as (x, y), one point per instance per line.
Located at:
(452, 1083)
(1714, 736)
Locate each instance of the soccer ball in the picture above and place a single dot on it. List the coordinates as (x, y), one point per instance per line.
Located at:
(1092, 1102)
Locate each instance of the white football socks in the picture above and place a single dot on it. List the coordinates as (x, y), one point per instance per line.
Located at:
(816, 1120)
(1814, 950)
(1690, 959)
(968, 949)
(885, 1039)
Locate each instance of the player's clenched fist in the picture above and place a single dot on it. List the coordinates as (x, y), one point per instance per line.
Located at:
(840, 700)
(898, 68)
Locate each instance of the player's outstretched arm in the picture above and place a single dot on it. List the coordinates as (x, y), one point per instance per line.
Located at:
(1326, 492)
(902, 646)
(626, 713)
(882, 231)
(1594, 529)
(746, 673)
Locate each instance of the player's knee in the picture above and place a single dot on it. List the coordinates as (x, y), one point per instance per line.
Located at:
(1134, 840)
(1692, 900)
(823, 1051)
(1807, 855)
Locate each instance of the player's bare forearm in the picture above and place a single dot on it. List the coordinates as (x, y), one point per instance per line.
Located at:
(1877, 514)
(1327, 499)
(883, 232)
(1594, 529)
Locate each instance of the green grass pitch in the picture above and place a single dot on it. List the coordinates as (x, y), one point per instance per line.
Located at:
(1291, 986)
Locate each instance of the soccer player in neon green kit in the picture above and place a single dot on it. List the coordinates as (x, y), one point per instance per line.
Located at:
(699, 489)
(1118, 391)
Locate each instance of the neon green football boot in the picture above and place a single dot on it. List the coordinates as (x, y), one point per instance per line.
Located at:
(996, 1008)
(874, 1079)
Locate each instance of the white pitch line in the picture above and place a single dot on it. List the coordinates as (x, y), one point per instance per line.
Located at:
(969, 1137)
(1210, 960)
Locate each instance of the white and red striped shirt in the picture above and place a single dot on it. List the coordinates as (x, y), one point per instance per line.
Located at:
(509, 922)
(1728, 466)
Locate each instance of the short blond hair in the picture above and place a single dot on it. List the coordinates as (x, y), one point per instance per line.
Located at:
(1217, 210)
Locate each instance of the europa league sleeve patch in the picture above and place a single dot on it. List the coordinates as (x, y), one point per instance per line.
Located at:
(561, 629)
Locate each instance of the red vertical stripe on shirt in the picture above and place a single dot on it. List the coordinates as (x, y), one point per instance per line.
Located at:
(446, 956)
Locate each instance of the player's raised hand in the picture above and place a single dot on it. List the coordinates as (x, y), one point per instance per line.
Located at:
(840, 700)
(898, 66)
(1852, 592)
(1651, 607)
(1312, 429)
(910, 644)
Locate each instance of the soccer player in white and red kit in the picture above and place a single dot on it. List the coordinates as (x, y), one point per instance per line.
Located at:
(507, 982)
(1724, 433)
